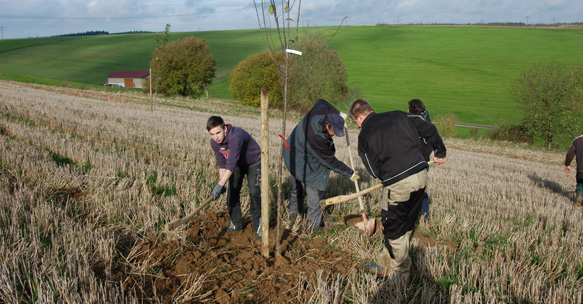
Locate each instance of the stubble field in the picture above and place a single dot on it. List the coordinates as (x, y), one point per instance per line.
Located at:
(87, 185)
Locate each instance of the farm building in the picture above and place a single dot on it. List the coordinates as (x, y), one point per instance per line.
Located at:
(127, 79)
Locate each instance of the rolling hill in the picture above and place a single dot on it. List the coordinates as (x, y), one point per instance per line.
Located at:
(465, 70)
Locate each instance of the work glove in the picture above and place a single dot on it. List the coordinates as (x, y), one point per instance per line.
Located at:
(354, 177)
(217, 191)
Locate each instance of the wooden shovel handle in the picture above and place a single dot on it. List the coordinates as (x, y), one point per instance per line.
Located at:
(360, 203)
(181, 221)
(343, 198)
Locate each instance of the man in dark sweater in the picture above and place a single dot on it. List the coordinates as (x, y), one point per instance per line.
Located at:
(237, 155)
(388, 145)
(576, 150)
(310, 158)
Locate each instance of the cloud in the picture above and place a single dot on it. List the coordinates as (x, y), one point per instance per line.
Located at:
(32, 18)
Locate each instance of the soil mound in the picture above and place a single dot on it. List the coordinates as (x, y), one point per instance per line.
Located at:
(218, 267)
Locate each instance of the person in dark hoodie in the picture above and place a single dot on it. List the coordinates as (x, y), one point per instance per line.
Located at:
(576, 149)
(310, 156)
(388, 145)
(237, 155)
(416, 107)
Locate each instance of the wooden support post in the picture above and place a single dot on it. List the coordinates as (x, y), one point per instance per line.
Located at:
(151, 102)
(264, 173)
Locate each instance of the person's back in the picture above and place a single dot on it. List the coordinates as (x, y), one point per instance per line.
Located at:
(389, 136)
(417, 107)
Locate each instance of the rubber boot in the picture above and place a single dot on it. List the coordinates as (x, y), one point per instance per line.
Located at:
(579, 198)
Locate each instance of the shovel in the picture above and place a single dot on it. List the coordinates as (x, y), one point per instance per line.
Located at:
(344, 198)
(181, 221)
(367, 226)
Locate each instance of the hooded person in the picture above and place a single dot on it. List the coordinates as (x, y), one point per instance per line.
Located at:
(310, 156)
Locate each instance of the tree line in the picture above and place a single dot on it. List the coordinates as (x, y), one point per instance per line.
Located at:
(98, 33)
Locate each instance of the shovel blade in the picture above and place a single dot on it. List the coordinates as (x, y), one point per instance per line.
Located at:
(367, 227)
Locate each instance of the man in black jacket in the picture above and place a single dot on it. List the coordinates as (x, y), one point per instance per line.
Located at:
(310, 158)
(388, 145)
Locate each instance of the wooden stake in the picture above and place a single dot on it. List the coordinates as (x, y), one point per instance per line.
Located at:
(151, 102)
(264, 173)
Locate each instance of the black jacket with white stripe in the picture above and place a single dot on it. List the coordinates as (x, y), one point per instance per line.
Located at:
(389, 146)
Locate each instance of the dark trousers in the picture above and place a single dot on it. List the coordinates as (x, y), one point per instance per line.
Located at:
(400, 218)
(296, 202)
(579, 177)
(234, 196)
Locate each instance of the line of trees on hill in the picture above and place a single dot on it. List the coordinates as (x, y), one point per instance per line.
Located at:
(98, 33)
(484, 24)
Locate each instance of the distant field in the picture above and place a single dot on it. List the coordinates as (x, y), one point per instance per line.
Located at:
(460, 69)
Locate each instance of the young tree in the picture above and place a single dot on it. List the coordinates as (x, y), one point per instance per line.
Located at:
(275, 41)
(184, 67)
(550, 96)
(318, 73)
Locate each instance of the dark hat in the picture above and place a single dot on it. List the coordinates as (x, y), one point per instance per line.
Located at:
(337, 124)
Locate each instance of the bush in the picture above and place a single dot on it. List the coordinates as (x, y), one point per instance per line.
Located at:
(512, 133)
(184, 67)
(550, 96)
(317, 73)
(445, 124)
(252, 74)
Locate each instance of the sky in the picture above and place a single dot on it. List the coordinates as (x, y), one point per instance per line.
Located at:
(41, 18)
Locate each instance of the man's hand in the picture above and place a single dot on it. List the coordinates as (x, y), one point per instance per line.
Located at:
(217, 191)
(567, 169)
(354, 177)
(438, 161)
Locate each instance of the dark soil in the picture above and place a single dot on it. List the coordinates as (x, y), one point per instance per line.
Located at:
(234, 269)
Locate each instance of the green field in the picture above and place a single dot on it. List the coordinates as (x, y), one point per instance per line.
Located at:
(465, 70)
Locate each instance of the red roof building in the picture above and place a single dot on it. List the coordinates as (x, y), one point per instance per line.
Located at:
(128, 79)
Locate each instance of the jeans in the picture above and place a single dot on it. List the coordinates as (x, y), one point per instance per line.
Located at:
(234, 196)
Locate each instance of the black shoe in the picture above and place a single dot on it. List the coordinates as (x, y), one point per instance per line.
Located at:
(230, 229)
(375, 269)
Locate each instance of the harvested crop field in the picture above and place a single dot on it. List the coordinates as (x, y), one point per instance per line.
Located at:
(87, 185)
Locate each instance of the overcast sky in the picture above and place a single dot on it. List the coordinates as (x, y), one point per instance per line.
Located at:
(40, 18)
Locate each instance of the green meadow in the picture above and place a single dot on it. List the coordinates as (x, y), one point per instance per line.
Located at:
(465, 70)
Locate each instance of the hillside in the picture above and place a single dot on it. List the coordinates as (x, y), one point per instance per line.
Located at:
(465, 70)
(87, 185)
